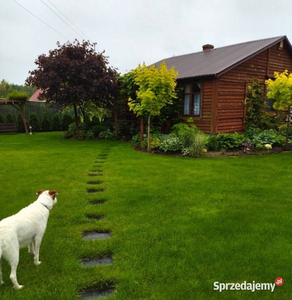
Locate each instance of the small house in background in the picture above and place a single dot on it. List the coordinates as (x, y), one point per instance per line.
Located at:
(215, 80)
(34, 97)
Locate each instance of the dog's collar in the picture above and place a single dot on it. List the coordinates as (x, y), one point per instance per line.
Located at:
(45, 206)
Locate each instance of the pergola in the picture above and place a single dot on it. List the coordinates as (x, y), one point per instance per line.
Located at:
(17, 104)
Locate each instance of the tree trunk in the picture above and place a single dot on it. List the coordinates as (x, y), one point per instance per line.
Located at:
(148, 147)
(288, 125)
(21, 111)
(141, 128)
(24, 123)
(76, 119)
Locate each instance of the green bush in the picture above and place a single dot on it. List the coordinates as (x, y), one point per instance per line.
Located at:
(170, 143)
(16, 95)
(187, 138)
(259, 138)
(229, 141)
(137, 138)
(89, 135)
(34, 122)
(66, 121)
(97, 129)
(46, 126)
(126, 131)
(256, 116)
(154, 141)
(283, 130)
(196, 145)
(56, 123)
(182, 128)
(1, 120)
(212, 142)
(71, 132)
(107, 135)
(9, 119)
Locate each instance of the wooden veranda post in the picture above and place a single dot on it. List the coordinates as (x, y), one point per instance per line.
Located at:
(116, 118)
(148, 133)
(20, 109)
(76, 119)
(289, 118)
(141, 129)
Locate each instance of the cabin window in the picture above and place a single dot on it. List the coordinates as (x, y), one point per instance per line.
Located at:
(192, 99)
(269, 103)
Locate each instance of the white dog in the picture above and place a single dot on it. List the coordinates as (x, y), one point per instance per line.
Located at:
(27, 227)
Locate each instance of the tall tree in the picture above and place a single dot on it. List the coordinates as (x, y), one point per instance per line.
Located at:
(280, 89)
(75, 74)
(5, 89)
(255, 105)
(156, 89)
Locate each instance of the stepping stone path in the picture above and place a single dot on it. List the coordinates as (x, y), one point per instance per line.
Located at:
(92, 191)
(94, 182)
(94, 175)
(107, 260)
(97, 293)
(103, 291)
(94, 235)
(94, 217)
(97, 201)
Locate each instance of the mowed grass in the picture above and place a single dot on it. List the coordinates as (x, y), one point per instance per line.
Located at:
(177, 224)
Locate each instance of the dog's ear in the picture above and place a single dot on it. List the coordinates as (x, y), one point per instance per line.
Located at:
(39, 192)
(53, 194)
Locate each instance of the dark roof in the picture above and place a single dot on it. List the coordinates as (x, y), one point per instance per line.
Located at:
(214, 62)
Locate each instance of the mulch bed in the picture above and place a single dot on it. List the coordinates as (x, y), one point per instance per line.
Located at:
(222, 154)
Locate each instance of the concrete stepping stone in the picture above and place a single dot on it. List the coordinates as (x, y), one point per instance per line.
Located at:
(94, 175)
(92, 191)
(94, 182)
(107, 260)
(95, 217)
(97, 293)
(97, 201)
(95, 235)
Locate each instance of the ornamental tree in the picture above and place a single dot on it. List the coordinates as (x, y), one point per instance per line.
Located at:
(156, 89)
(280, 89)
(74, 74)
(255, 113)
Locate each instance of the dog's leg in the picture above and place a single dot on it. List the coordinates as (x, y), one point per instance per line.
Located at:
(37, 244)
(13, 260)
(31, 248)
(14, 278)
(1, 281)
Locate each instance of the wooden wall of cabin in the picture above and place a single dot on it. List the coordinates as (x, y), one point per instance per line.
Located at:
(232, 86)
(205, 121)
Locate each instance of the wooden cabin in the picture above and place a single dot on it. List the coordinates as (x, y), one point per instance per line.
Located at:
(215, 80)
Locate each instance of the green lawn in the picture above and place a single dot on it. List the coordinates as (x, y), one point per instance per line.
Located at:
(177, 224)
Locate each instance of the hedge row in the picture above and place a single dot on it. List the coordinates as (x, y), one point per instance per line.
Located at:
(45, 124)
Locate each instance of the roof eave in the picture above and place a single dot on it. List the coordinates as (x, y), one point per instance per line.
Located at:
(256, 53)
(205, 76)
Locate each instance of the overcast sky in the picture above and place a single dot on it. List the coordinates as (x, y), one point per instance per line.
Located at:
(132, 31)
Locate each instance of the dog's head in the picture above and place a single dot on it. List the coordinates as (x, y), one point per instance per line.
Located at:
(47, 197)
